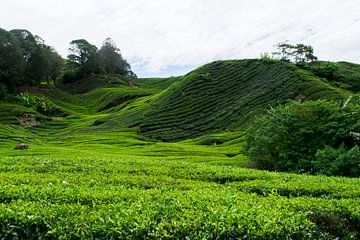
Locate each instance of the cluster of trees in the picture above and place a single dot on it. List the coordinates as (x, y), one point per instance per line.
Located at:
(298, 53)
(316, 137)
(86, 59)
(25, 60)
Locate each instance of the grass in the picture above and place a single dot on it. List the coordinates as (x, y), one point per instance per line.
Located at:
(106, 170)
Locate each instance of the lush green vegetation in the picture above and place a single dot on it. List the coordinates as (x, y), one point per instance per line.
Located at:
(100, 167)
(311, 137)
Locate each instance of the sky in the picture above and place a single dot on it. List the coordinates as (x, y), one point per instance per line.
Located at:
(171, 37)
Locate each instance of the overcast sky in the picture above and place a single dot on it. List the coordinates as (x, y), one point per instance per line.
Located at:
(171, 37)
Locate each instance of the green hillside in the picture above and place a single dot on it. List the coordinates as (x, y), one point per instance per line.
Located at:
(225, 95)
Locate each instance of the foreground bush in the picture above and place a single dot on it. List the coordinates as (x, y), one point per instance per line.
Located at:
(310, 137)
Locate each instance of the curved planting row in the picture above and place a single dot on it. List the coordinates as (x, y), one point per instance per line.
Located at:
(224, 94)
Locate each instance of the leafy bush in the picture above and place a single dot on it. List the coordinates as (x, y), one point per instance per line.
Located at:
(341, 161)
(39, 104)
(327, 70)
(289, 137)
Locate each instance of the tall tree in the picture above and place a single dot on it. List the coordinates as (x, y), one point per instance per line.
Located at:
(113, 61)
(54, 65)
(11, 62)
(84, 56)
(34, 55)
(111, 57)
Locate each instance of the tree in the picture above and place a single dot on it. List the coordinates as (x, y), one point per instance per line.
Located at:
(84, 57)
(26, 60)
(299, 53)
(11, 63)
(127, 70)
(42, 62)
(35, 55)
(111, 57)
(112, 60)
(55, 65)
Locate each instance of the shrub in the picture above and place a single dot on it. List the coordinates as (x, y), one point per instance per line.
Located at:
(327, 70)
(341, 161)
(39, 104)
(289, 137)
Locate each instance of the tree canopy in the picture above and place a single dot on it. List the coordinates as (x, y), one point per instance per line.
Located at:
(298, 53)
(85, 58)
(26, 60)
(11, 62)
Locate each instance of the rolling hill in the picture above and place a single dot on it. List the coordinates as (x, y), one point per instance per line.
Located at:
(222, 96)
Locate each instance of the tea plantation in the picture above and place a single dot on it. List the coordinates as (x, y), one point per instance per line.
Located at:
(162, 159)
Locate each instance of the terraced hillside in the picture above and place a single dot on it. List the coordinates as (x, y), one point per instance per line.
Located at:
(224, 95)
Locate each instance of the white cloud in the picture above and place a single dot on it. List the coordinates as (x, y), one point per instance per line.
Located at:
(161, 35)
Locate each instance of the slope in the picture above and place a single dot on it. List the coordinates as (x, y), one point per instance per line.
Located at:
(224, 95)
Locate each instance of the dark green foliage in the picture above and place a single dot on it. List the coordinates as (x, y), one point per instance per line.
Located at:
(112, 60)
(11, 63)
(54, 65)
(3, 90)
(26, 61)
(299, 53)
(42, 62)
(349, 73)
(328, 70)
(292, 136)
(341, 161)
(71, 73)
(86, 60)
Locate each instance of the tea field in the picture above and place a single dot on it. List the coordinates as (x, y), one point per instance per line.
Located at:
(173, 191)
(139, 162)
